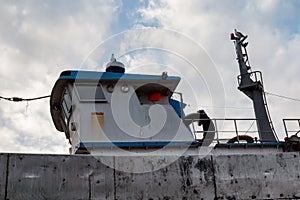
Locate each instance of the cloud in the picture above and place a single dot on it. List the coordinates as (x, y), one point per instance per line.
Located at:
(38, 40)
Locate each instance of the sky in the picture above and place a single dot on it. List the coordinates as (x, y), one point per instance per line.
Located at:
(39, 39)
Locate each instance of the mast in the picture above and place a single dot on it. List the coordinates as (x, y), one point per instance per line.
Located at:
(251, 84)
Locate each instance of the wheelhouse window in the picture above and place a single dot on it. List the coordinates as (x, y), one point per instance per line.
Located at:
(90, 93)
(66, 105)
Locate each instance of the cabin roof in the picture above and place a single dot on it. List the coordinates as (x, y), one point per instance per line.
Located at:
(93, 75)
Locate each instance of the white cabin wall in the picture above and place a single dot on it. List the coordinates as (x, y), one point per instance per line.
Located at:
(117, 125)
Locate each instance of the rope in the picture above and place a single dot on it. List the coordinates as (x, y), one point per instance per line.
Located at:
(18, 99)
(281, 96)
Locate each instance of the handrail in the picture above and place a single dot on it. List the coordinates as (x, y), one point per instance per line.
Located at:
(289, 132)
(235, 128)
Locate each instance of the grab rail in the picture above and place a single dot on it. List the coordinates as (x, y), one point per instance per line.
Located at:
(224, 131)
(288, 131)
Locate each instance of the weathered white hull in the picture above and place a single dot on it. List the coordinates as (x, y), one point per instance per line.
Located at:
(246, 176)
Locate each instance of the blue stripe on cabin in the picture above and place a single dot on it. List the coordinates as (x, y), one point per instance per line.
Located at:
(137, 144)
(93, 75)
(176, 105)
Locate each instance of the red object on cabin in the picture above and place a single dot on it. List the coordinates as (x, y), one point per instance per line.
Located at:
(156, 96)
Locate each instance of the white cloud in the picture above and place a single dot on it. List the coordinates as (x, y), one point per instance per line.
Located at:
(37, 41)
(267, 6)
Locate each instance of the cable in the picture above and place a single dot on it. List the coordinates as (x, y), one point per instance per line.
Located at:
(227, 107)
(284, 97)
(18, 99)
(219, 107)
(250, 127)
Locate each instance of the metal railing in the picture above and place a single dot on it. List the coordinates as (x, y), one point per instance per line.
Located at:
(228, 128)
(291, 126)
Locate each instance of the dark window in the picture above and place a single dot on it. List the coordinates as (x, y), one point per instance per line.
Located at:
(66, 106)
(89, 92)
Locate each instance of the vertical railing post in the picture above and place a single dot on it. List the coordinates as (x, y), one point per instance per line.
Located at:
(285, 128)
(236, 131)
(194, 131)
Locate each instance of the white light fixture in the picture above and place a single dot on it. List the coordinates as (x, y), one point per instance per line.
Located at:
(110, 88)
(124, 88)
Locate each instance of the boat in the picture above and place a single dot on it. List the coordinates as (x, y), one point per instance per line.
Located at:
(113, 111)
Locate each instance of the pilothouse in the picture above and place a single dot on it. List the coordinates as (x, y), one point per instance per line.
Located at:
(115, 109)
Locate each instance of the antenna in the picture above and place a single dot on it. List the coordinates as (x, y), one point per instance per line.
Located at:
(115, 66)
(251, 84)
